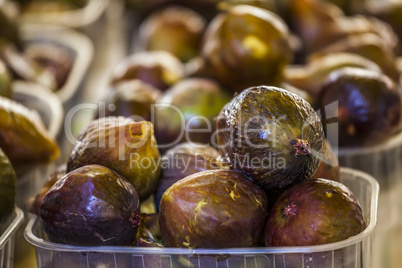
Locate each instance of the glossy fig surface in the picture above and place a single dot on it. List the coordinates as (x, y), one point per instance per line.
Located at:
(91, 206)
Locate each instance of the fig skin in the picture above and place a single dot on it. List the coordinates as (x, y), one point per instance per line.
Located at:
(132, 98)
(199, 100)
(314, 212)
(5, 81)
(271, 135)
(369, 106)
(183, 160)
(91, 206)
(123, 145)
(21, 146)
(175, 29)
(246, 46)
(206, 209)
(160, 69)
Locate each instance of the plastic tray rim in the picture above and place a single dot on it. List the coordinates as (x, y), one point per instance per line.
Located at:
(12, 228)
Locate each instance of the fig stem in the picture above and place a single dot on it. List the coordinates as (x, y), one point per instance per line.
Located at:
(301, 147)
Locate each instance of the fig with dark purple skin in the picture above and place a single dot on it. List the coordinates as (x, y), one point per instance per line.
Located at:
(183, 160)
(175, 29)
(246, 46)
(369, 106)
(206, 210)
(132, 98)
(271, 135)
(187, 112)
(160, 69)
(123, 145)
(314, 212)
(91, 206)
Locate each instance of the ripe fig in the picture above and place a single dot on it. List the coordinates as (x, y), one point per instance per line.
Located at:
(206, 209)
(23, 136)
(175, 29)
(369, 106)
(246, 46)
(183, 160)
(271, 135)
(187, 112)
(160, 69)
(91, 206)
(314, 212)
(132, 98)
(123, 145)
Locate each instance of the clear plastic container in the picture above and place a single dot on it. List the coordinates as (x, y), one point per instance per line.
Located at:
(80, 46)
(8, 227)
(353, 252)
(384, 162)
(74, 18)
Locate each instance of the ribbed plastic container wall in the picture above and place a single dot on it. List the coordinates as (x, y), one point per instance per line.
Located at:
(8, 228)
(351, 253)
(383, 162)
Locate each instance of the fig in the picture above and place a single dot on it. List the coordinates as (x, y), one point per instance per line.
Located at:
(206, 209)
(175, 29)
(321, 23)
(183, 160)
(186, 112)
(271, 135)
(132, 98)
(149, 231)
(311, 76)
(55, 176)
(8, 181)
(9, 32)
(23, 136)
(5, 81)
(123, 145)
(56, 59)
(26, 69)
(160, 69)
(369, 106)
(246, 46)
(314, 212)
(91, 206)
(367, 45)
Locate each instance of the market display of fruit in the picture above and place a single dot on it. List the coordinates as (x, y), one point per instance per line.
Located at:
(212, 132)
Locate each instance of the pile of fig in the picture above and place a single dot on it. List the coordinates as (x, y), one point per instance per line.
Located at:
(216, 129)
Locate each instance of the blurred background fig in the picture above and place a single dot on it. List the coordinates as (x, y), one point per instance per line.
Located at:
(175, 29)
(187, 111)
(310, 77)
(123, 145)
(206, 209)
(314, 212)
(369, 106)
(91, 206)
(5, 81)
(183, 160)
(367, 45)
(9, 32)
(131, 98)
(271, 135)
(8, 188)
(160, 69)
(58, 60)
(23, 136)
(246, 46)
